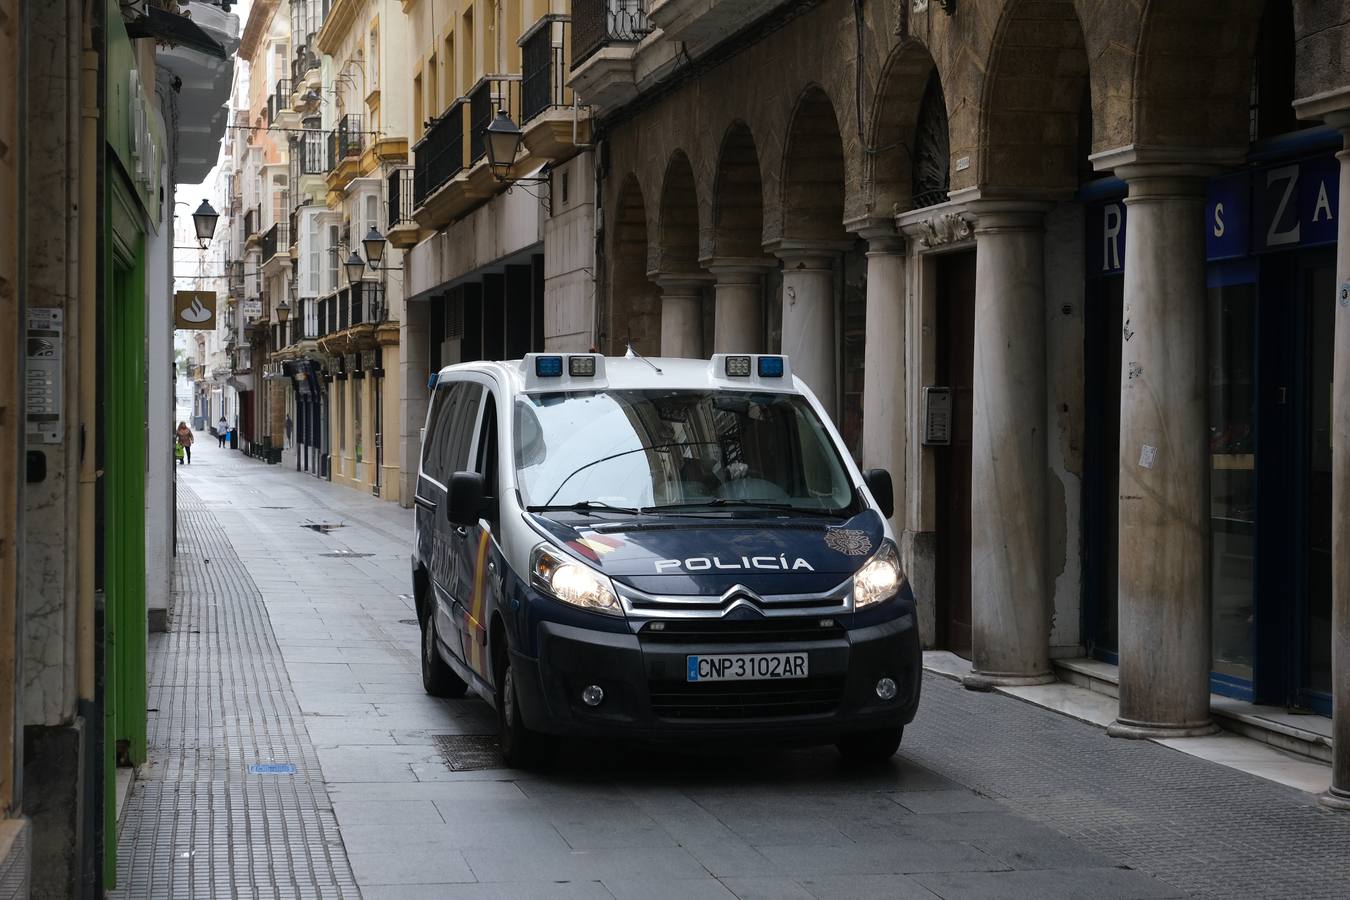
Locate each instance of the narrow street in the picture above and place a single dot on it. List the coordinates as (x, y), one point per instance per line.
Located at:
(292, 646)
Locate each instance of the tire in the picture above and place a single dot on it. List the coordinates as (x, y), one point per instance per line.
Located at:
(871, 747)
(438, 679)
(521, 747)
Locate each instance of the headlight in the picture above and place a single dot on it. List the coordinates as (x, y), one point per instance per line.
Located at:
(878, 579)
(571, 582)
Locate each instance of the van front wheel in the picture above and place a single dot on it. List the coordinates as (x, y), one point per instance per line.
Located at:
(522, 748)
(871, 747)
(438, 679)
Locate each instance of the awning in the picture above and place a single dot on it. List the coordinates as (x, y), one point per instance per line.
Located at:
(175, 29)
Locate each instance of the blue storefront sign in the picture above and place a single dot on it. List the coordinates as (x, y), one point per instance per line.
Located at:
(1287, 206)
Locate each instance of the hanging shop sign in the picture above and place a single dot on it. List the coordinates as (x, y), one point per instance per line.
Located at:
(194, 310)
(1286, 206)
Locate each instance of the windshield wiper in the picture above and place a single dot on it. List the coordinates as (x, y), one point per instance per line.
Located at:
(731, 501)
(584, 506)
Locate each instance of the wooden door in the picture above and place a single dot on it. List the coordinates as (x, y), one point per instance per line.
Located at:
(955, 369)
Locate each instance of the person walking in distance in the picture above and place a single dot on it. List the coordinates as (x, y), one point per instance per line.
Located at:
(185, 440)
(222, 431)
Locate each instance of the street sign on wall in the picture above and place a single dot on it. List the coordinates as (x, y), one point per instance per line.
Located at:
(194, 310)
(251, 309)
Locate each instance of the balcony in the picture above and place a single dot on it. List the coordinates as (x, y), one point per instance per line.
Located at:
(349, 319)
(305, 66)
(311, 154)
(490, 94)
(400, 227)
(699, 23)
(253, 225)
(439, 156)
(276, 242)
(598, 24)
(551, 131)
(605, 38)
(345, 143)
(234, 279)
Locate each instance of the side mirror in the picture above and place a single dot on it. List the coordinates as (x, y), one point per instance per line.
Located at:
(464, 498)
(878, 481)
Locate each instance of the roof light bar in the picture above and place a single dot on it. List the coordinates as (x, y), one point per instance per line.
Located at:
(738, 366)
(581, 366)
(548, 366)
(771, 367)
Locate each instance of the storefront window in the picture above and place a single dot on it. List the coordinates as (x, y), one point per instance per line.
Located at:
(1232, 449)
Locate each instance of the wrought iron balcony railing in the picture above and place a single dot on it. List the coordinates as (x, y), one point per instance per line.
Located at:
(350, 138)
(277, 241)
(439, 155)
(491, 93)
(400, 207)
(543, 66)
(599, 23)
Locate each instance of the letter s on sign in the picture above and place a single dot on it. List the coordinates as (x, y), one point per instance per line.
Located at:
(1218, 220)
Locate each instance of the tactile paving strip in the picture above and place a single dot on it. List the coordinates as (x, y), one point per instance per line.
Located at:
(198, 824)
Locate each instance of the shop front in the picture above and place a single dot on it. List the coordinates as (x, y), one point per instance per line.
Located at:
(1270, 234)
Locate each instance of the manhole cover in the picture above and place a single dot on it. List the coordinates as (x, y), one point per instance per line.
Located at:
(408, 622)
(466, 752)
(321, 527)
(346, 554)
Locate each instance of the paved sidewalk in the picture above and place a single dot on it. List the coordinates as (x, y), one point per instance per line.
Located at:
(990, 796)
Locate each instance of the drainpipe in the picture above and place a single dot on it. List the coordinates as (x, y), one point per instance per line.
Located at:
(87, 256)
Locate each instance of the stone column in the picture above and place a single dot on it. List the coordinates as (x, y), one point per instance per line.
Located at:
(1009, 589)
(681, 317)
(1338, 796)
(884, 387)
(1163, 573)
(809, 337)
(738, 324)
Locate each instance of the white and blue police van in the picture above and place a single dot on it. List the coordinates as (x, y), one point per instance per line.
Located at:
(668, 550)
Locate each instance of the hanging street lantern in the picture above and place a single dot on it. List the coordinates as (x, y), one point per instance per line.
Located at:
(503, 143)
(204, 221)
(374, 244)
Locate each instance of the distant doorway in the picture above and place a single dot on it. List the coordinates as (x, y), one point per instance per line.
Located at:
(955, 369)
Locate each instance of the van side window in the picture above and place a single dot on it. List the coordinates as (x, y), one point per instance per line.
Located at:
(487, 448)
(458, 432)
(441, 401)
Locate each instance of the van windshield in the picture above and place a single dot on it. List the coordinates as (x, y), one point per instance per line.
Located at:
(671, 449)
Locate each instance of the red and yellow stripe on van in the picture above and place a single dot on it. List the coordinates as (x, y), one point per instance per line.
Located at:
(475, 631)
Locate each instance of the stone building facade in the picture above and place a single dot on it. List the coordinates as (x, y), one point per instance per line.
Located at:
(1104, 235)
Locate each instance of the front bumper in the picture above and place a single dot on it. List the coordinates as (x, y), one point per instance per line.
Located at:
(647, 697)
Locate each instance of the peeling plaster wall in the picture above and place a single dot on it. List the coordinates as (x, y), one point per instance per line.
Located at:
(49, 557)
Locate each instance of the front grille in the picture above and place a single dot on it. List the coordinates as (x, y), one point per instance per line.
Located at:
(740, 631)
(746, 699)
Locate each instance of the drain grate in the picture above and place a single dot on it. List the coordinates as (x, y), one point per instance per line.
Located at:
(322, 527)
(346, 554)
(276, 507)
(467, 752)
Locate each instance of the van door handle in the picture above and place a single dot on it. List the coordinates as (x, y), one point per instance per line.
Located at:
(461, 531)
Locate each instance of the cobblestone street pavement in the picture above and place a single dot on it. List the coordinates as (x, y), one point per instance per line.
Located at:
(296, 644)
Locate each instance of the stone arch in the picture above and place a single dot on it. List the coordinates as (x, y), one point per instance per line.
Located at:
(738, 197)
(1033, 98)
(1193, 73)
(907, 80)
(813, 183)
(677, 225)
(635, 305)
